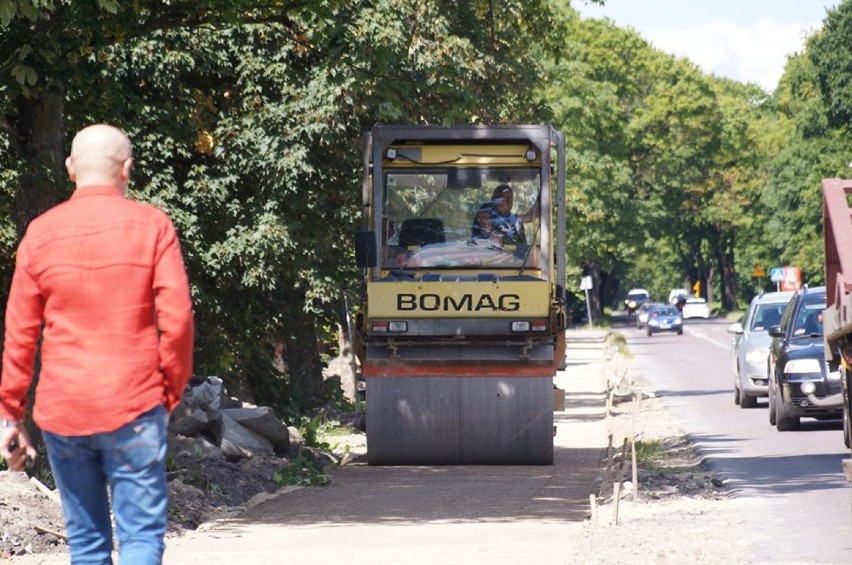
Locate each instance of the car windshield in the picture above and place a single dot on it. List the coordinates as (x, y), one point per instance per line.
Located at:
(637, 296)
(766, 315)
(809, 320)
(667, 311)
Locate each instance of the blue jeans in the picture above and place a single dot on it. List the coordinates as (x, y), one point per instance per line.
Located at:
(130, 461)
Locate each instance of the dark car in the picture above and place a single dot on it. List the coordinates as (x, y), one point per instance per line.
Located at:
(797, 367)
(636, 298)
(664, 318)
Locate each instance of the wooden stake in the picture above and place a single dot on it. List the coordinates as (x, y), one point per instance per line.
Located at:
(41, 530)
(636, 400)
(616, 493)
(608, 475)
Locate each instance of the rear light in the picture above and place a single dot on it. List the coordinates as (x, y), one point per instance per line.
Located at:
(525, 326)
(389, 326)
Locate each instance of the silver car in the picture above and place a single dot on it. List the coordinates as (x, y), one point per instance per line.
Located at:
(751, 346)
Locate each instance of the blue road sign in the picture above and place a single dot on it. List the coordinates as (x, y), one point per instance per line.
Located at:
(776, 274)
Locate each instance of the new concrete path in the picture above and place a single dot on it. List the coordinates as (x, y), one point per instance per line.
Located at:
(426, 515)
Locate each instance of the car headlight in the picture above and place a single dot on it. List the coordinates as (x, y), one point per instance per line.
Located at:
(654, 322)
(808, 387)
(678, 321)
(632, 304)
(803, 366)
(756, 357)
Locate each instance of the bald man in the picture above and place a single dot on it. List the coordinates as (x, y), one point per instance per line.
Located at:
(100, 282)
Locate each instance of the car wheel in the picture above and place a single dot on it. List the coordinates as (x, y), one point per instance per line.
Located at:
(736, 396)
(650, 333)
(784, 422)
(748, 401)
(847, 428)
(771, 407)
(680, 331)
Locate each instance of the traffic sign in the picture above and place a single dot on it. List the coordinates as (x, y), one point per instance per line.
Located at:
(758, 272)
(776, 274)
(586, 283)
(792, 279)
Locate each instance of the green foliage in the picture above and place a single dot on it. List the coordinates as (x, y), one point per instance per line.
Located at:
(830, 50)
(311, 428)
(618, 343)
(648, 451)
(301, 471)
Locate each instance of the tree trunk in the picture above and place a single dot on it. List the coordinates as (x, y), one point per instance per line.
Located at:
(38, 141)
(36, 138)
(345, 364)
(725, 256)
(303, 356)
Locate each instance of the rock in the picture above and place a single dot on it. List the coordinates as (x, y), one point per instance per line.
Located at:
(188, 421)
(190, 448)
(295, 435)
(263, 421)
(209, 395)
(236, 440)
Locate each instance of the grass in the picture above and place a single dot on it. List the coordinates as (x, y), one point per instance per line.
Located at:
(617, 341)
(672, 459)
(301, 471)
(649, 450)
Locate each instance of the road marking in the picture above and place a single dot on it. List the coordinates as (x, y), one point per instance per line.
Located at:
(701, 335)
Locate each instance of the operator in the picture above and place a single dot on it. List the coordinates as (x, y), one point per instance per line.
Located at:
(495, 220)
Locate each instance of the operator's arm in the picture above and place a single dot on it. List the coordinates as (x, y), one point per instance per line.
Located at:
(533, 211)
(174, 316)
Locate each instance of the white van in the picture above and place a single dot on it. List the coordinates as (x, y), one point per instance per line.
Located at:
(675, 292)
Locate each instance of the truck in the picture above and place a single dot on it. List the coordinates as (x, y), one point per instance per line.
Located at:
(837, 316)
(460, 325)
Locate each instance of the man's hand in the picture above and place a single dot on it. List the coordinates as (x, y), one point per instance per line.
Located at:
(16, 447)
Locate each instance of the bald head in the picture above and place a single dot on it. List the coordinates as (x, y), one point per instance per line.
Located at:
(100, 155)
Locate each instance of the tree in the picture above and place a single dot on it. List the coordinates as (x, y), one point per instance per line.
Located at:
(830, 51)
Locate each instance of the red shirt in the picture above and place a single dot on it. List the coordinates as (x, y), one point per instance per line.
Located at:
(105, 277)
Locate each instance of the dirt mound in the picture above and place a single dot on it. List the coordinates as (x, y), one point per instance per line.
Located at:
(30, 520)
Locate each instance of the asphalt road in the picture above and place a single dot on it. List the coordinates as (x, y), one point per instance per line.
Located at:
(802, 503)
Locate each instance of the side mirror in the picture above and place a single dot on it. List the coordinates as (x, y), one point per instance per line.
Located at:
(735, 328)
(775, 331)
(366, 255)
